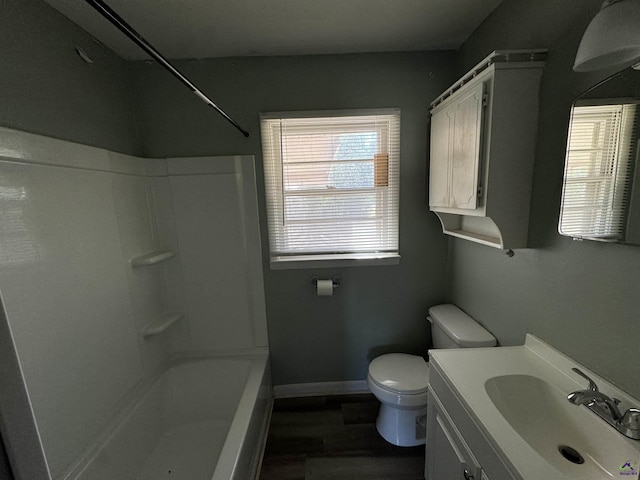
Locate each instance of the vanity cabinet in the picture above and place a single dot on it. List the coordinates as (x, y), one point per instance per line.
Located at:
(456, 449)
(482, 150)
(449, 455)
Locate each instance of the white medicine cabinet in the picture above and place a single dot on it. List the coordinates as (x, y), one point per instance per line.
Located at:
(483, 133)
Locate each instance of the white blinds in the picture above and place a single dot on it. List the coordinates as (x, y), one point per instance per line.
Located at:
(332, 182)
(598, 171)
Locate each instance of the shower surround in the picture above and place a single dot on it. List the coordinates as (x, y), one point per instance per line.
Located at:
(114, 268)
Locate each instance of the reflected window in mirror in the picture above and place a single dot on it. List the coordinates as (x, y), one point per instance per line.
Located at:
(602, 150)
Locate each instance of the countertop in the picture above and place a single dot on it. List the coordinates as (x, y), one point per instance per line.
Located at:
(466, 371)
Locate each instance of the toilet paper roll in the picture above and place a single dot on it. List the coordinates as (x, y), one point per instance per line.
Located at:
(325, 288)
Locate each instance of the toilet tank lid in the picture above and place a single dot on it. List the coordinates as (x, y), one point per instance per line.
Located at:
(460, 327)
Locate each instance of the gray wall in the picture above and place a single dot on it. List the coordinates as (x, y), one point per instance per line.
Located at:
(46, 88)
(581, 297)
(377, 309)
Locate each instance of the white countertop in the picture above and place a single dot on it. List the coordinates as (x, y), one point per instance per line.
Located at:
(467, 370)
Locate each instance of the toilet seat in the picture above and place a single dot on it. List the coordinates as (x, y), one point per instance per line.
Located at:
(400, 373)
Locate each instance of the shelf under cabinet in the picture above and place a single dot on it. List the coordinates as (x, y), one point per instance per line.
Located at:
(484, 230)
(162, 324)
(476, 237)
(152, 258)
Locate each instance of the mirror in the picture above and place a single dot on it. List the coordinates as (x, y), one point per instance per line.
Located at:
(601, 189)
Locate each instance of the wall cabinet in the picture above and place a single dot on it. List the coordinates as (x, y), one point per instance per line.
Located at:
(483, 133)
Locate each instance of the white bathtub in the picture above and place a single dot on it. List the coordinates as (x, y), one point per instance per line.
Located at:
(203, 418)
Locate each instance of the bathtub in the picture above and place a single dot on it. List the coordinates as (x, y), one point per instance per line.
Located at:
(202, 418)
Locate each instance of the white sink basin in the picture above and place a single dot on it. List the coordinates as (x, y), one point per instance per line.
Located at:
(570, 438)
(517, 397)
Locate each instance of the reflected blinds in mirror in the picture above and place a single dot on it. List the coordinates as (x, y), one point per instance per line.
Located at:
(598, 171)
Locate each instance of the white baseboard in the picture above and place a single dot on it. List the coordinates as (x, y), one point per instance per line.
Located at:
(320, 388)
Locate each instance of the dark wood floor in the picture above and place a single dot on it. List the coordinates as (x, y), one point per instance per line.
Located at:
(322, 438)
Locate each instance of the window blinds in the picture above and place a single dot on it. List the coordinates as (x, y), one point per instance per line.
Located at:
(598, 171)
(332, 183)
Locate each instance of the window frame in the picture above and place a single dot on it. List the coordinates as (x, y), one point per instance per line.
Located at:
(275, 187)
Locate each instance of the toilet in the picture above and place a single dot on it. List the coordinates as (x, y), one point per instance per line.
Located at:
(400, 380)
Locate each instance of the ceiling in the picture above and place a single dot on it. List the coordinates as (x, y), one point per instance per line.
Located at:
(223, 28)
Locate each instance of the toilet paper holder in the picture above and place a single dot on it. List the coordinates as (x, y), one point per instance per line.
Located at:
(337, 281)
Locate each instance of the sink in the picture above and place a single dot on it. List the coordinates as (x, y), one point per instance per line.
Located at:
(571, 439)
(517, 399)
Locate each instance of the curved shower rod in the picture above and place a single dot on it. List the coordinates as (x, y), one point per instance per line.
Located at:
(108, 13)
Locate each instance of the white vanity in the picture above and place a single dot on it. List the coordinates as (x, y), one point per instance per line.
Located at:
(502, 413)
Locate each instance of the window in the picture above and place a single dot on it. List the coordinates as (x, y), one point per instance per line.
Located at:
(598, 171)
(331, 182)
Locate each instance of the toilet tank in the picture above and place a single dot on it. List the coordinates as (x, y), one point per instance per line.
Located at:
(452, 328)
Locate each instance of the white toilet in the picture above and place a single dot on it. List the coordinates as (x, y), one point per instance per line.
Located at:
(400, 381)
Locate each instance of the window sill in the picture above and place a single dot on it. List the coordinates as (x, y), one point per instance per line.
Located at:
(334, 261)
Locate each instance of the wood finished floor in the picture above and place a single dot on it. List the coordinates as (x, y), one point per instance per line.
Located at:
(335, 437)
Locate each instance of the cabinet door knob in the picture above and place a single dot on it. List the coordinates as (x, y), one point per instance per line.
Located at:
(467, 475)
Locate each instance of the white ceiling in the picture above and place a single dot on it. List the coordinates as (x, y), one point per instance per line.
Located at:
(222, 28)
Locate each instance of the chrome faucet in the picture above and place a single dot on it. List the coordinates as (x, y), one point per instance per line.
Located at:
(608, 405)
(607, 408)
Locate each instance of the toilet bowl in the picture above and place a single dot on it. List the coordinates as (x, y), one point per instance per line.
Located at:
(399, 381)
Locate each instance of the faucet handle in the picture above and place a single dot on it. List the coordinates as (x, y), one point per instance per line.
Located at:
(592, 385)
(631, 419)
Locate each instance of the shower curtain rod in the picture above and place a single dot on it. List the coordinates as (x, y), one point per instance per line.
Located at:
(125, 28)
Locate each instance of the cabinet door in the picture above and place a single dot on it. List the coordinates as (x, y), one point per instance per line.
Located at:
(447, 455)
(439, 158)
(453, 461)
(466, 148)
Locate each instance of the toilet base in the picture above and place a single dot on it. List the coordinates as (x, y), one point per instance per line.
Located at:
(404, 427)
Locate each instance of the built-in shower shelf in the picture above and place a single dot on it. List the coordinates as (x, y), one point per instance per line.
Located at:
(152, 258)
(161, 325)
